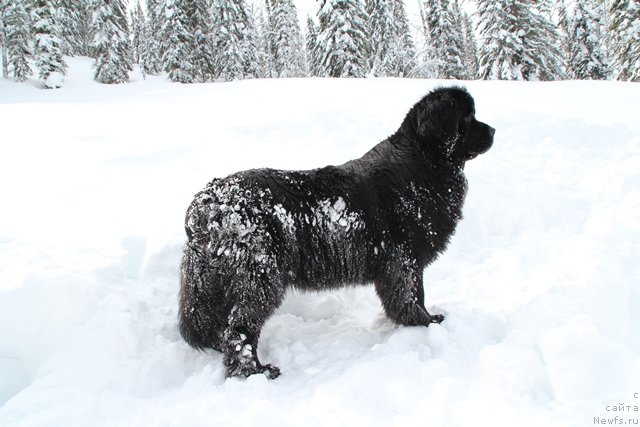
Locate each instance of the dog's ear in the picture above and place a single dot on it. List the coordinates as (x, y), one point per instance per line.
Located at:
(436, 118)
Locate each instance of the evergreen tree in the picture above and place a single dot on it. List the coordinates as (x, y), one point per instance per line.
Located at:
(151, 54)
(74, 20)
(625, 27)
(381, 31)
(446, 36)
(406, 46)
(563, 23)
(188, 56)
(65, 19)
(203, 53)
(467, 43)
(313, 50)
(265, 58)
(228, 38)
(391, 45)
(342, 38)
(470, 59)
(138, 32)
(113, 50)
(255, 51)
(585, 42)
(426, 64)
(3, 47)
(235, 41)
(17, 39)
(285, 40)
(48, 46)
(518, 41)
(179, 53)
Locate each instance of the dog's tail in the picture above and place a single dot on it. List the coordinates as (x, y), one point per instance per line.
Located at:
(201, 318)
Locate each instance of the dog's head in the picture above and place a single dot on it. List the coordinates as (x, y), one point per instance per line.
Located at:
(444, 121)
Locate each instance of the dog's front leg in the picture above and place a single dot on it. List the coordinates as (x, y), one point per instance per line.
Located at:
(402, 295)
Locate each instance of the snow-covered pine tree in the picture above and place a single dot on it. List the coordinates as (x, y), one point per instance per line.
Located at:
(111, 43)
(65, 19)
(406, 46)
(342, 39)
(178, 57)
(518, 41)
(311, 42)
(163, 34)
(74, 21)
(264, 31)
(285, 40)
(188, 56)
(446, 36)
(203, 53)
(3, 48)
(265, 59)
(381, 36)
(253, 53)
(548, 41)
(17, 39)
(228, 38)
(389, 42)
(625, 28)
(48, 46)
(138, 32)
(235, 41)
(563, 23)
(151, 55)
(470, 59)
(585, 41)
(425, 65)
(468, 43)
(82, 43)
(384, 38)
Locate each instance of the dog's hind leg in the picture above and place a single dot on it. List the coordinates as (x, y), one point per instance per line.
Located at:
(256, 299)
(402, 295)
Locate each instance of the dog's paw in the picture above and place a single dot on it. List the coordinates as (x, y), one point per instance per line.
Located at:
(270, 371)
(247, 369)
(436, 318)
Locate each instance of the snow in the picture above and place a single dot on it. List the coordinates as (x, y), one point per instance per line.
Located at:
(333, 214)
(540, 284)
(55, 80)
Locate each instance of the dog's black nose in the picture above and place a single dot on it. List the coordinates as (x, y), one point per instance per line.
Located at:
(492, 131)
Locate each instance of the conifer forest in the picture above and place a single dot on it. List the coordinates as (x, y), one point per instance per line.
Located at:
(194, 41)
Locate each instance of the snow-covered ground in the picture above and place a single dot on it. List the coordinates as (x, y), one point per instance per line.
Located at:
(541, 283)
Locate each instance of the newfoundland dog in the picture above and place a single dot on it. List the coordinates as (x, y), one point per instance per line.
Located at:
(378, 219)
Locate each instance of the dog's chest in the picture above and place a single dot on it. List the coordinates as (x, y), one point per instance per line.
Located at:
(429, 211)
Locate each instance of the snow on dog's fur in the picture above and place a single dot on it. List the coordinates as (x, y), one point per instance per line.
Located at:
(378, 219)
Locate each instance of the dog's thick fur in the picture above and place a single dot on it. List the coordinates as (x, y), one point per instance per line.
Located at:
(378, 219)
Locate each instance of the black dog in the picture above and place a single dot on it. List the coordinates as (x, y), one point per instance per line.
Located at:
(378, 219)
